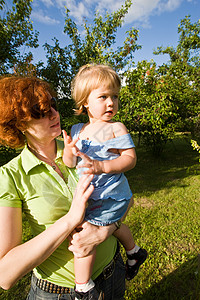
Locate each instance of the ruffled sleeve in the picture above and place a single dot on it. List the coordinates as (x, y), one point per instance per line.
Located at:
(121, 142)
(75, 130)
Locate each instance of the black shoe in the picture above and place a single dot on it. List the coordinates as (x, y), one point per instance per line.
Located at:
(92, 294)
(140, 257)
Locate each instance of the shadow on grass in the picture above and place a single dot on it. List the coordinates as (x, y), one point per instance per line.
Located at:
(182, 284)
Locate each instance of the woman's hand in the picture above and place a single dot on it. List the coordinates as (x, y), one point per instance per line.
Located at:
(83, 191)
(87, 236)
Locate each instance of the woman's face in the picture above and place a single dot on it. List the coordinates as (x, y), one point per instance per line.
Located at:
(44, 129)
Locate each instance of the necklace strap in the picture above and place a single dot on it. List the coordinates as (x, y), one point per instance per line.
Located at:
(43, 158)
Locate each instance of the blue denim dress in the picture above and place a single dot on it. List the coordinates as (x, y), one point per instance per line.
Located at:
(111, 196)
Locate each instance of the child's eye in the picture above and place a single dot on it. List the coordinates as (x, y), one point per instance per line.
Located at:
(115, 97)
(103, 97)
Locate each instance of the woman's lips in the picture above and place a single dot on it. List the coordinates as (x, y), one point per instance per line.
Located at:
(56, 125)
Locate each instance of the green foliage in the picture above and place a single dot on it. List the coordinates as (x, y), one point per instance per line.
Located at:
(184, 73)
(157, 101)
(16, 30)
(195, 146)
(94, 46)
(146, 106)
(188, 46)
(6, 154)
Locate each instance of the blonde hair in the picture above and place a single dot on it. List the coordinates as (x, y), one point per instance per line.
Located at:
(90, 77)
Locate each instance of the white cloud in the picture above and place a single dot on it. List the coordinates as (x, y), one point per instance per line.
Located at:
(48, 3)
(41, 17)
(169, 5)
(78, 9)
(141, 10)
(139, 13)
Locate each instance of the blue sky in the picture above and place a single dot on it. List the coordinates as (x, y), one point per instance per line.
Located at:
(157, 21)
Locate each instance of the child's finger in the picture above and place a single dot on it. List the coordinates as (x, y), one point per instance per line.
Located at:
(84, 156)
(73, 143)
(67, 138)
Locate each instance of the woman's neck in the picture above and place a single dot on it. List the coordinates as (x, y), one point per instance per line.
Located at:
(48, 151)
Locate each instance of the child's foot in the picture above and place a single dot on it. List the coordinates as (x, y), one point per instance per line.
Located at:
(132, 270)
(92, 294)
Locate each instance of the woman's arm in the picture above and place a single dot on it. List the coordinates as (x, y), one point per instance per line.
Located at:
(17, 259)
(88, 236)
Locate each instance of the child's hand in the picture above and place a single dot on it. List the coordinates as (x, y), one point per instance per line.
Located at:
(70, 150)
(91, 166)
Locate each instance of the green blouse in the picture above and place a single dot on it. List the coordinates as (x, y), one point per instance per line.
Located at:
(34, 186)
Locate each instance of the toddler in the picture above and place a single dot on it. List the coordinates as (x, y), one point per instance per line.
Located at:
(106, 149)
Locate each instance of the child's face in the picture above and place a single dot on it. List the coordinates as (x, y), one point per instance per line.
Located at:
(102, 104)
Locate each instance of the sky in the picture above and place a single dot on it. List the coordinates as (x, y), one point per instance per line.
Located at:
(156, 20)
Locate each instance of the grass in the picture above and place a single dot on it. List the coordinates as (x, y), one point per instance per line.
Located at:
(164, 220)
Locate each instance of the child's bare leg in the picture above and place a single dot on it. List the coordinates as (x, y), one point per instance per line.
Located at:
(124, 235)
(83, 272)
(136, 256)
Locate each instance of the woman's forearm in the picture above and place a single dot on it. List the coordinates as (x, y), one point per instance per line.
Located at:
(17, 259)
(23, 258)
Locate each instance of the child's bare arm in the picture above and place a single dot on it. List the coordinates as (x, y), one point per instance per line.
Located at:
(69, 157)
(126, 161)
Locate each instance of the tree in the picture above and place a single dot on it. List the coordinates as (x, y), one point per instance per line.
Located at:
(16, 31)
(147, 107)
(157, 101)
(94, 46)
(184, 68)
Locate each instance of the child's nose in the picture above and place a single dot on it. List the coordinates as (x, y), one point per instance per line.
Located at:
(110, 101)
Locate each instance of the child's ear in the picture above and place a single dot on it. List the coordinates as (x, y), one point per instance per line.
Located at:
(85, 105)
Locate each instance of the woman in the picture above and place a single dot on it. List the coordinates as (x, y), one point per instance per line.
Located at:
(38, 183)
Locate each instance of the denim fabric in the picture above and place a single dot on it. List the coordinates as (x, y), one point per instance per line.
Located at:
(105, 185)
(113, 287)
(106, 211)
(36, 293)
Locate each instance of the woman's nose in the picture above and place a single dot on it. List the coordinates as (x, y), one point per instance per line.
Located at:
(54, 113)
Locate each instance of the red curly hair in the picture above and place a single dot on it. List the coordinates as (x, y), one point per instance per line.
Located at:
(17, 97)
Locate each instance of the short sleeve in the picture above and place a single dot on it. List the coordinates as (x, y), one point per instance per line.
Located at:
(8, 192)
(75, 130)
(121, 142)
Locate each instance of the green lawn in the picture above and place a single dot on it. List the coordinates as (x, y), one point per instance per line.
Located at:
(165, 220)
